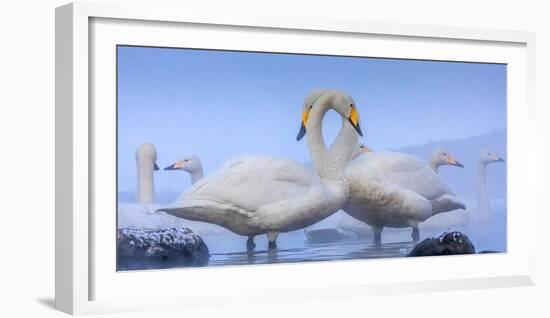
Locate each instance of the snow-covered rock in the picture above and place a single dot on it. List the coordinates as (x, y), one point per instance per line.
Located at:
(155, 249)
(447, 243)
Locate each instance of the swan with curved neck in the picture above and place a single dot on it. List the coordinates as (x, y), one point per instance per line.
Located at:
(266, 195)
(487, 157)
(192, 164)
(441, 157)
(146, 157)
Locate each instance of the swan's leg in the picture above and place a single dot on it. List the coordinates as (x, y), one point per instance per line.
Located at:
(272, 239)
(415, 234)
(377, 240)
(250, 245)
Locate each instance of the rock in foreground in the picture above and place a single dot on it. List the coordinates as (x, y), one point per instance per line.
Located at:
(156, 249)
(448, 243)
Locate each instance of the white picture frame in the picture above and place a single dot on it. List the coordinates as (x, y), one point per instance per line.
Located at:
(84, 285)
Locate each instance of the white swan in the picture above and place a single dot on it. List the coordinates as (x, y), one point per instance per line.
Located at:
(361, 149)
(390, 189)
(192, 164)
(138, 215)
(441, 157)
(484, 210)
(257, 195)
(146, 156)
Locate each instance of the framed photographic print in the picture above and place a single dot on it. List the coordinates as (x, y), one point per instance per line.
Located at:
(245, 156)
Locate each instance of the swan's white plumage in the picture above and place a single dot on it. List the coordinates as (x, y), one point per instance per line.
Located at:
(257, 195)
(396, 190)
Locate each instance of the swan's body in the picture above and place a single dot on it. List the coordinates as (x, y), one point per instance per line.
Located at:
(257, 195)
(389, 189)
(146, 155)
(484, 210)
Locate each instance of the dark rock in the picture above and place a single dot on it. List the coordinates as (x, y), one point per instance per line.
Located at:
(448, 243)
(155, 249)
(328, 235)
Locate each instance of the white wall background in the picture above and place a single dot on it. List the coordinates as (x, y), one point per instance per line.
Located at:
(27, 158)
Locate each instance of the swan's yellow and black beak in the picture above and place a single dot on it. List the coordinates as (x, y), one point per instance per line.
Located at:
(353, 118)
(176, 166)
(156, 167)
(302, 132)
(452, 161)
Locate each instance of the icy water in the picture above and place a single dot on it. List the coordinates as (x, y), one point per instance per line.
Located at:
(293, 247)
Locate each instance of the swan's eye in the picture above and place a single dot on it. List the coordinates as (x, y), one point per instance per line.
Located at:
(310, 106)
(351, 105)
(186, 160)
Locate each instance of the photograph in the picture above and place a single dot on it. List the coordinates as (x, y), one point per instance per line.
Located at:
(229, 158)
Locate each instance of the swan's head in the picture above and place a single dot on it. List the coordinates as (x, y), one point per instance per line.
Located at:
(441, 157)
(339, 101)
(361, 149)
(488, 156)
(311, 98)
(147, 153)
(190, 164)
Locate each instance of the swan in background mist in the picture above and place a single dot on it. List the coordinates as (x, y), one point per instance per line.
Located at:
(390, 189)
(484, 211)
(361, 149)
(441, 157)
(138, 215)
(146, 157)
(265, 195)
(192, 165)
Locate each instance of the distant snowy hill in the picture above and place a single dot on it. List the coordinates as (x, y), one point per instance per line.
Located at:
(463, 180)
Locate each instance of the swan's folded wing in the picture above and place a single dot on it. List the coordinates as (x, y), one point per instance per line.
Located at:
(248, 183)
(381, 203)
(400, 170)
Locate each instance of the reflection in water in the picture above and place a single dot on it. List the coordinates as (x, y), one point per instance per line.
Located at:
(293, 247)
(304, 252)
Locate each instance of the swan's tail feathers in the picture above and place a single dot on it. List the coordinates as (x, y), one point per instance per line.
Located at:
(447, 203)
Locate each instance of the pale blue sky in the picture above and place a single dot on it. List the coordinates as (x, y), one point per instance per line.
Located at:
(219, 104)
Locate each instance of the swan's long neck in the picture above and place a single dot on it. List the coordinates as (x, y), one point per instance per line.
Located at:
(483, 205)
(329, 163)
(433, 164)
(145, 183)
(316, 143)
(196, 175)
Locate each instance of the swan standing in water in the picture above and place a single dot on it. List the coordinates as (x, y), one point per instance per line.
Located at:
(484, 210)
(192, 164)
(390, 189)
(266, 195)
(146, 156)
